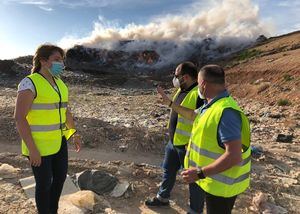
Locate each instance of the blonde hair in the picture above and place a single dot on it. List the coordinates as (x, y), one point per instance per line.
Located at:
(43, 52)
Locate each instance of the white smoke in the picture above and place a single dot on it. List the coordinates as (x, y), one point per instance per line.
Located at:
(226, 21)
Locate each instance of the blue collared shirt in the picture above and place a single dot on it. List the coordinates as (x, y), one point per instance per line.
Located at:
(230, 125)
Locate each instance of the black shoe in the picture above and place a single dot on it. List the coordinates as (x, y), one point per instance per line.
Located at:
(155, 202)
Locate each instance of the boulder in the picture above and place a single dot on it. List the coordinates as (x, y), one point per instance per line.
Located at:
(97, 181)
(83, 202)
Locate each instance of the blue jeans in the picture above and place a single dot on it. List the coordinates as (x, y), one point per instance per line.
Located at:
(173, 161)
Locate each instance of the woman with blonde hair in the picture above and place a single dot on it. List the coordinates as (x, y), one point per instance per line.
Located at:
(45, 124)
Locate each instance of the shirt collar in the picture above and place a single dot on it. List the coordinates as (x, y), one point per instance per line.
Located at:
(216, 98)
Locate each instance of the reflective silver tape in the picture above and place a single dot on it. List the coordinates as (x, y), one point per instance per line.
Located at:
(182, 132)
(204, 152)
(185, 121)
(245, 161)
(230, 181)
(48, 106)
(214, 155)
(46, 128)
(223, 178)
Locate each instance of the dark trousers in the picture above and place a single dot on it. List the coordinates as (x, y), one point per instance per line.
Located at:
(216, 204)
(50, 177)
(173, 161)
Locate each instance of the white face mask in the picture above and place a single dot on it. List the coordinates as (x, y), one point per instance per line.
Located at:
(176, 82)
(200, 94)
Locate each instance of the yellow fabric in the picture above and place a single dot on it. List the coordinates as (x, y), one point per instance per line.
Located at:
(47, 116)
(204, 150)
(184, 127)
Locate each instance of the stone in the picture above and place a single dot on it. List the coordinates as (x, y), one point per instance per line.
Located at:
(120, 189)
(83, 202)
(97, 181)
(8, 171)
(28, 185)
(284, 138)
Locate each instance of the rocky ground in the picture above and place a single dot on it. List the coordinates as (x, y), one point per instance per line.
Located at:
(123, 128)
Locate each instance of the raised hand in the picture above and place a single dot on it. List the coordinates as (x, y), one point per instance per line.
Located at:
(165, 99)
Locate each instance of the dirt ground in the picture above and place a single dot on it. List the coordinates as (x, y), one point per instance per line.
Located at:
(123, 128)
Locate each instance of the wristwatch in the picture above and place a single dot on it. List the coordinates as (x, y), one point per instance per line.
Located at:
(200, 173)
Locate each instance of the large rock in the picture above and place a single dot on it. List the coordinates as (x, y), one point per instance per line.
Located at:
(97, 181)
(83, 202)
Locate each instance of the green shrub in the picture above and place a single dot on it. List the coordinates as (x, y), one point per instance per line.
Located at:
(287, 77)
(246, 54)
(283, 102)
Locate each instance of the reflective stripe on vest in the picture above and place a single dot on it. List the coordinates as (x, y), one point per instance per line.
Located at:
(47, 106)
(213, 155)
(182, 132)
(184, 127)
(46, 128)
(223, 178)
(185, 121)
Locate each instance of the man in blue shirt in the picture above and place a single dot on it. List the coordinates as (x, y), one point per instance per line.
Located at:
(211, 83)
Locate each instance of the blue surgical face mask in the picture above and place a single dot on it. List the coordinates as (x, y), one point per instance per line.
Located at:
(56, 68)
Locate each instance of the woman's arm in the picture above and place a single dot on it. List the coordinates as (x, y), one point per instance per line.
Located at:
(71, 125)
(69, 120)
(23, 104)
(185, 112)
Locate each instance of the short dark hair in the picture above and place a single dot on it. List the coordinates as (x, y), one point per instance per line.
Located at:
(188, 68)
(213, 74)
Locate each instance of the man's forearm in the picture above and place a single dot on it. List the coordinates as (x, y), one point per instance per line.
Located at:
(224, 162)
(185, 112)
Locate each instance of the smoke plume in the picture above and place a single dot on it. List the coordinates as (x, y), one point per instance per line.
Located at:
(228, 22)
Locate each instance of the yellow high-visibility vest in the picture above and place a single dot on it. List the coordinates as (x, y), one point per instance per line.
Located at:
(184, 127)
(203, 150)
(47, 116)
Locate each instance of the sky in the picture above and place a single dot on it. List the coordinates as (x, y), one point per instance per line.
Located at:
(25, 24)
